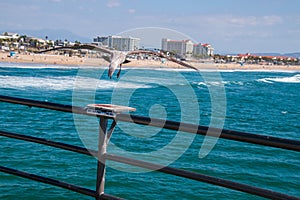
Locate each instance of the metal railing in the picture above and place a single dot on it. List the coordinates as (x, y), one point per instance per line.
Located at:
(102, 155)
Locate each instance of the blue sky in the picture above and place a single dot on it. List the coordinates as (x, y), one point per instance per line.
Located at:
(230, 26)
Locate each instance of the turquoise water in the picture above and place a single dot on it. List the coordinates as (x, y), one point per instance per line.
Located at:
(258, 102)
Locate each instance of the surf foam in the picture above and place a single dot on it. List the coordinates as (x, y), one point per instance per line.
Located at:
(291, 79)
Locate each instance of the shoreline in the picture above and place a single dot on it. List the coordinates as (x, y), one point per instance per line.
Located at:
(60, 60)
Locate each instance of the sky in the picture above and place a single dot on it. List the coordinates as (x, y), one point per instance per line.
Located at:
(230, 26)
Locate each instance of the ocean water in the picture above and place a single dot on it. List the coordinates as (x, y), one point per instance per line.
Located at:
(262, 102)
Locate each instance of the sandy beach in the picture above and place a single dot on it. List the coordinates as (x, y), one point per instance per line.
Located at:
(49, 59)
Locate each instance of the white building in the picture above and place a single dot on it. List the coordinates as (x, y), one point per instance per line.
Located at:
(187, 48)
(8, 35)
(180, 47)
(118, 42)
(203, 50)
(209, 49)
(102, 41)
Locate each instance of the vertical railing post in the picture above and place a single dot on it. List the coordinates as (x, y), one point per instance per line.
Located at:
(104, 112)
(102, 145)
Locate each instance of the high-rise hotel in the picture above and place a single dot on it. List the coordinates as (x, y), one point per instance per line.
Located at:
(187, 48)
(118, 42)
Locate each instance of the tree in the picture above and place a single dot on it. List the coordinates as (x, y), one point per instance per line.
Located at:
(77, 42)
(57, 42)
(22, 39)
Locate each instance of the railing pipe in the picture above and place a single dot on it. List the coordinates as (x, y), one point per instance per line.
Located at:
(191, 128)
(214, 132)
(50, 181)
(60, 145)
(203, 178)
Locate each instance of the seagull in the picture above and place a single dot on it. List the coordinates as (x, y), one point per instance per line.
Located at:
(117, 58)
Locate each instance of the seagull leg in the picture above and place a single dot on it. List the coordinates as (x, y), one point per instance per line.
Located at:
(119, 72)
(109, 75)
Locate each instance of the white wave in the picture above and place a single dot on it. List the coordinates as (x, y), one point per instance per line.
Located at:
(158, 69)
(58, 83)
(264, 80)
(211, 83)
(38, 66)
(201, 84)
(292, 79)
(257, 70)
(93, 83)
(218, 83)
(63, 83)
(154, 78)
(174, 69)
(47, 66)
(238, 83)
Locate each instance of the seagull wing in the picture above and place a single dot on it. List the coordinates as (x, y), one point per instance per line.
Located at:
(81, 46)
(162, 55)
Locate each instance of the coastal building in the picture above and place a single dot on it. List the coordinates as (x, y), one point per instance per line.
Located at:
(14, 41)
(209, 49)
(118, 42)
(203, 50)
(187, 48)
(181, 47)
(8, 35)
(35, 41)
(199, 50)
(101, 41)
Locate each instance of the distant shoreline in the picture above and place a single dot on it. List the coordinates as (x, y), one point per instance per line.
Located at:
(49, 59)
